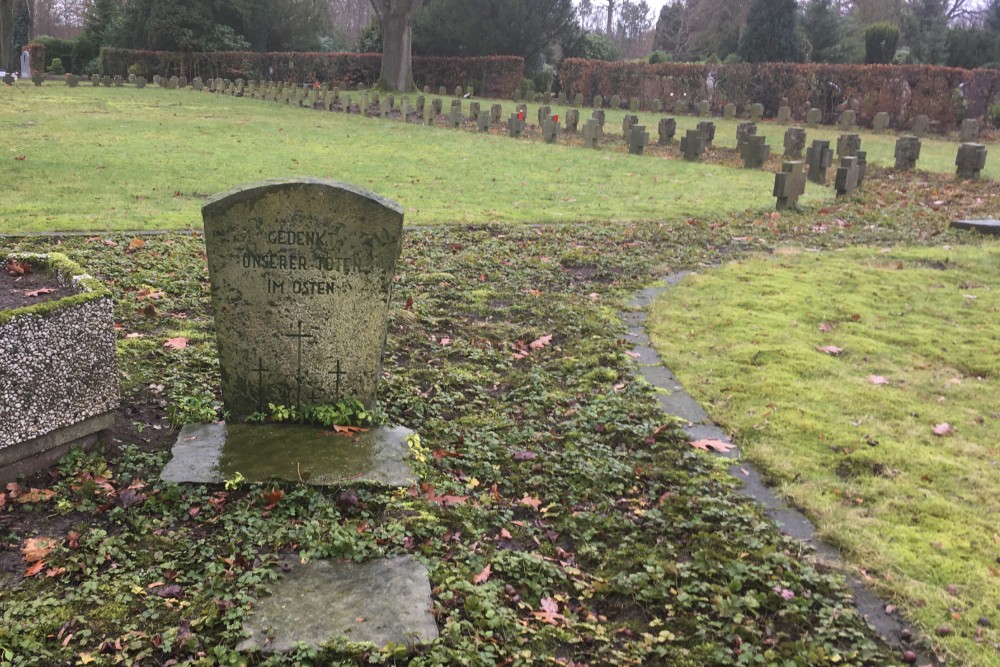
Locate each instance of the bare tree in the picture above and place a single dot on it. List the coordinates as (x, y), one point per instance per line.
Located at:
(395, 22)
(350, 17)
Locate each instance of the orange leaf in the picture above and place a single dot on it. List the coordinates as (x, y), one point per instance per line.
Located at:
(483, 576)
(54, 572)
(36, 496)
(35, 549)
(35, 292)
(272, 497)
(712, 443)
(541, 342)
(16, 268)
(147, 293)
(178, 343)
(345, 430)
(135, 245)
(35, 569)
(533, 503)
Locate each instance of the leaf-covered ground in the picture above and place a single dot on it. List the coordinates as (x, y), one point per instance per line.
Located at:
(562, 517)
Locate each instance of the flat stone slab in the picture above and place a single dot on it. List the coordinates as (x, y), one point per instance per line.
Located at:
(380, 601)
(211, 453)
(981, 226)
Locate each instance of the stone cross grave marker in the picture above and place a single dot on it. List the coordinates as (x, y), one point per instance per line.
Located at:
(729, 111)
(755, 152)
(744, 130)
(846, 180)
(666, 129)
(656, 105)
(38, 79)
(543, 113)
(591, 133)
(789, 185)
(848, 144)
(455, 117)
(784, 114)
(8, 79)
(483, 121)
(515, 126)
(971, 160)
(707, 129)
(572, 120)
(862, 166)
(819, 157)
(474, 111)
(704, 108)
(496, 113)
(693, 145)
(848, 119)
(970, 131)
(598, 115)
(880, 123)
(919, 125)
(756, 112)
(638, 138)
(907, 152)
(680, 107)
(550, 129)
(627, 122)
(814, 117)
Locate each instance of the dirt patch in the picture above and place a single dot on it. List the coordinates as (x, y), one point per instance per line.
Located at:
(18, 291)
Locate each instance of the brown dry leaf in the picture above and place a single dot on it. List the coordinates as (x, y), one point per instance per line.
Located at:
(86, 658)
(35, 569)
(54, 572)
(706, 444)
(483, 576)
(36, 496)
(533, 503)
(827, 327)
(36, 549)
(347, 430)
(540, 342)
(31, 293)
(16, 268)
(178, 343)
(147, 293)
(549, 612)
(832, 350)
(135, 245)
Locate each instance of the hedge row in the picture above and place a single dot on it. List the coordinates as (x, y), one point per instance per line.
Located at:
(946, 95)
(36, 54)
(494, 76)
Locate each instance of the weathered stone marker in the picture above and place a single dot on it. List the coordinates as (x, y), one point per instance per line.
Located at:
(474, 111)
(598, 115)
(666, 129)
(907, 152)
(919, 125)
(496, 113)
(970, 160)
(848, 144)
(592, 132)
(616, 102)
(795, 142)
(729, 111)
(984, 226)
(784, 114)
(680, 107)
(484, 121)
(638, 138)
(756, 112)
(628, 120)
(550, 129)
(543, 113)
(744, 130)
(515, 126)
(707, 129)
(848, 119)
(970, 131)
(862, 166)
(704, 108)
(634, 104)
(656, 105)
(693, 145)
(755, 152)
(819, 157)
(455, 117)
(814, 117)
(846, 180)
(789, 185)
(572, 120)
(880, 123)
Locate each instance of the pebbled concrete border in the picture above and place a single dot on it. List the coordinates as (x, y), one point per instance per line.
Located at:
(674, 400)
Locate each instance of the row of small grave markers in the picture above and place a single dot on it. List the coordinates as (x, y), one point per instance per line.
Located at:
(789, 183)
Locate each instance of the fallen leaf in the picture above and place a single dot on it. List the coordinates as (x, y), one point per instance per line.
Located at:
(827, 327)
(706, 444)
(36, 549)
(54, 572)
(524, 455)
(36, 496)
(20, 158)
(147, 293)
(345, 430)
(14, 489)
(36, 292)
(16, 268)
(135, 245)
(943, 429)
(110, 243)
(549, 612)
(877, 379)
(540, 342)
(35, 569)
(533, 503)
(483, 576)
(272, 497)
(171, 591)
(86, 658)
(178, 343)
(445, 341)
(832, 350)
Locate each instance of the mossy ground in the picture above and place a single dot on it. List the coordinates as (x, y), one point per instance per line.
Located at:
(851, 437)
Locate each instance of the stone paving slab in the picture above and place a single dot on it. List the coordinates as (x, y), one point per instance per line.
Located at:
(211, 453)
(991, 227)
(382, 601)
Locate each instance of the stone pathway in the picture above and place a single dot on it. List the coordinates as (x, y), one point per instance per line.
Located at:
(674, 400)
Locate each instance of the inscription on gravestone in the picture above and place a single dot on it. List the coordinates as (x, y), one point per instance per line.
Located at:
(301, 275)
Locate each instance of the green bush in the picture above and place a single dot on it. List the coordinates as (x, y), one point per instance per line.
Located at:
(137, 69)
(660, 57)
(56, 67)
(993, 115)
(880, 43)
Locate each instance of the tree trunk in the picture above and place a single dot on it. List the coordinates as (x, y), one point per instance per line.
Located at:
(7, 35)
(611, 17)
(395, 22)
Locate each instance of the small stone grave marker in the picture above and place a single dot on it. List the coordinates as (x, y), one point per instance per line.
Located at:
(819, 157)
(784, 114)
(744, 130)
(729, 111)
(572, 120)
(72, 81)
(616, 102)
(598, 102)
(919, 125)
(848, 144)
(140, 82)
(442, 91)
(814, 117)
(458, 91)
(628, 120)
(421, 101)
(755, 152)
(591, 133)
(846, 180)
(436, 104)
(95, 80)
(455, 117)
(693, 145)
(970, 131)
(496, 113)
(880, 123)
(862, 166)
(515, 126)
(656, 106)
(704, 108)
(544, 112)
(848, 119)
(578, 100)
(483, 121)
(119, 81)
(107, 81)
(638, 138)
(598, 115)
(907, 152)
(707, 129)
(970, 161)
(633, 104)
(680, 107)
(474, 111)
(550, 129)
(756, 112)
(789, 185)
(666, 129)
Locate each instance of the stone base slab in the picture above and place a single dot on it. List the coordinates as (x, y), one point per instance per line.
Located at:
(212, 453)
(24, 458)
(981, 226)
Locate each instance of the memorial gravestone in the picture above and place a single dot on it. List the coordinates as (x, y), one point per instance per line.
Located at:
(578, 100)
(455, 117)
(729, 111)
(572, 120)
(704, 108)
(543, 113)
(656, 106)
(970, 131)
(919, 125)
(8, 79)
(819, 157)
(744, 130)
(598, 102)
(814, 117)
(756, 112)
(598, 115)
(436, 105)
(680, 107)
(907, 152)
(970, 161)
(846, 180)
(515, 126)
(140, 82)
(862, 166)
(755, 152)
(848, 144)
(550, 129)
(666, 129)
(496, 113)
(707, 130)
(693, 145)
(72, 81)
(848, 119)
(474, 111)
(789, 185)
(784, 114)
(638, 138)
(26, 64)
(301, 278)
(880, 123)
(633, 104)
(591, 133)
(628, 121)
(483, 121)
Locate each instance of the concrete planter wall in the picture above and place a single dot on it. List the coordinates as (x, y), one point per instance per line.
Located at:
(58, 370)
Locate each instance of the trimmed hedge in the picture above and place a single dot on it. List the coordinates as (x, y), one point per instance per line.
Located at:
(494, 76)
(944, 94)
(36, 53)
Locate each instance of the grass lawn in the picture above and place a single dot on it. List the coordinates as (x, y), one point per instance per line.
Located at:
(552, 480)
(866, 383)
